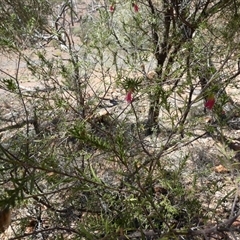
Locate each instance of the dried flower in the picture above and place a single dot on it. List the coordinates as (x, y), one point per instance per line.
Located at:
(135, 7)
(129, 97)
(210, 102)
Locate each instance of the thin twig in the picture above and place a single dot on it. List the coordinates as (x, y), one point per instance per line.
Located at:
(70, 230)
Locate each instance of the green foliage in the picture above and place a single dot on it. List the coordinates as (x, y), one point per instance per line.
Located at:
(9, 84)
(21, 20)
(128, 172)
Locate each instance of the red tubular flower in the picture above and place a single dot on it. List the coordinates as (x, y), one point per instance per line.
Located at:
(112, 8)
(135, 7)
(129, 97)
(210, 103)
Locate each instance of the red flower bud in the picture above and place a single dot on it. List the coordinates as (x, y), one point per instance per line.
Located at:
(210, 103)
(135, 7)
(129, 97)
(112, 8)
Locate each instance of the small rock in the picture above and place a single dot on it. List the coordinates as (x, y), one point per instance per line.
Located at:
(221, 169)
